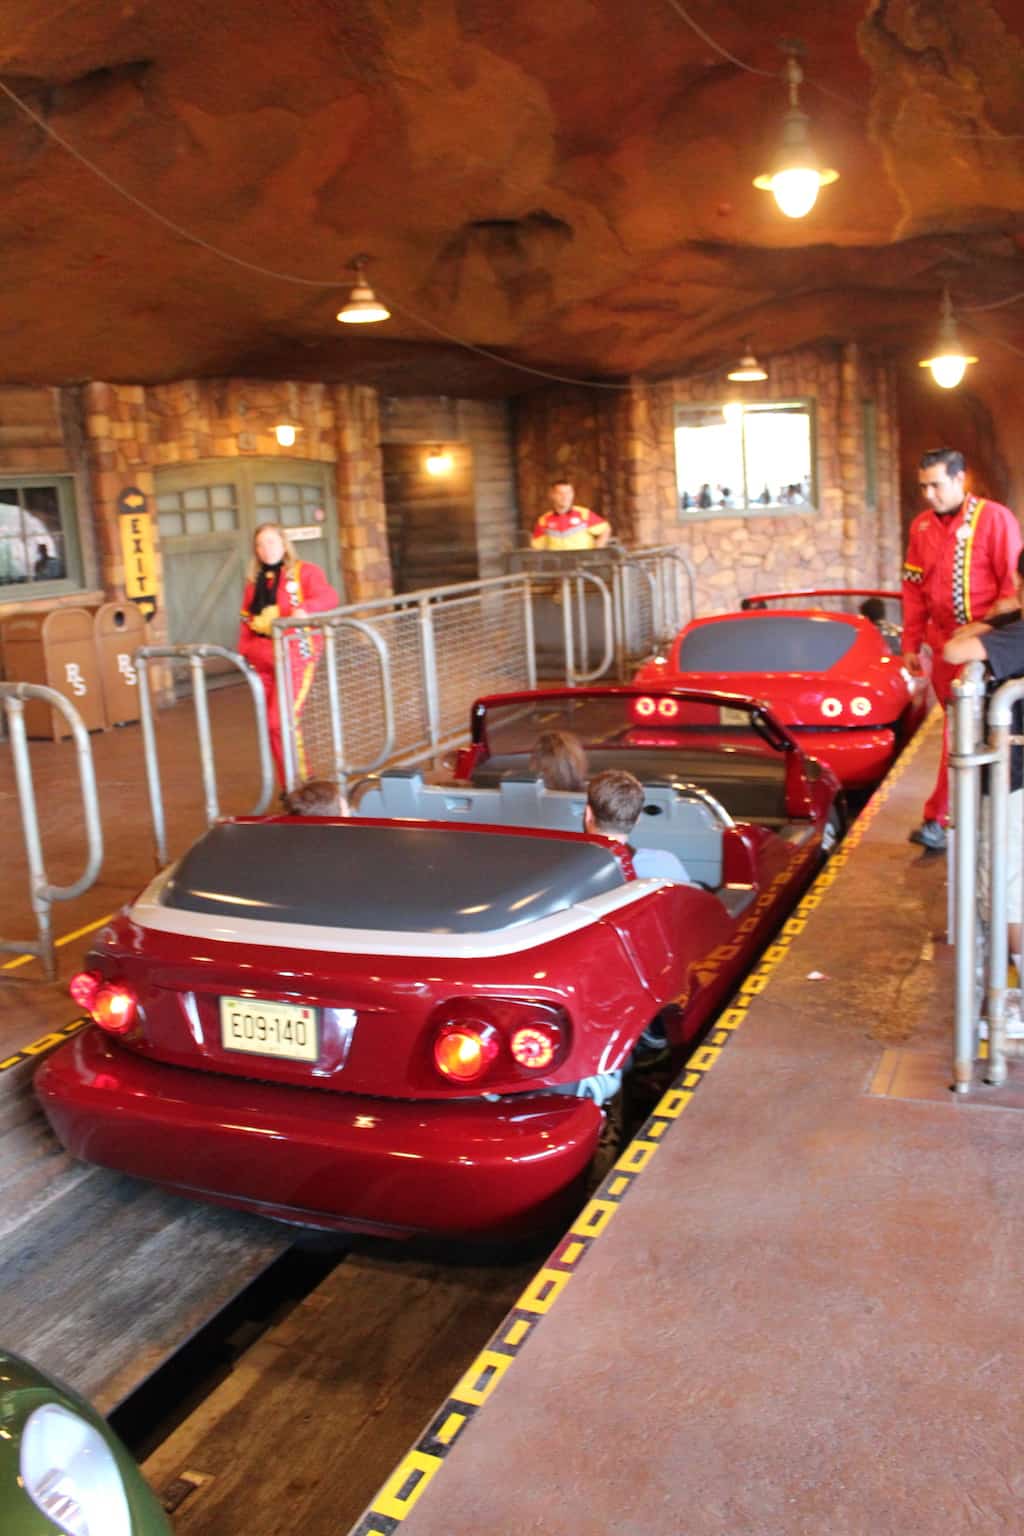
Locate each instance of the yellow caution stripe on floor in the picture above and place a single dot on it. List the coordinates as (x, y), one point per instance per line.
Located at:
(414, 1473)
(41, 1046)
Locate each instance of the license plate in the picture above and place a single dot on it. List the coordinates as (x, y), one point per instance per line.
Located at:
(269, 1029)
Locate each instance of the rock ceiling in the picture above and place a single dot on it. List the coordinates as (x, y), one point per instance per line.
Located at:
(566, 184)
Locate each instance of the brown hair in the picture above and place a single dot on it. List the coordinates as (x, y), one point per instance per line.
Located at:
(317, 797)
(559, 759)
(290, 557)
(615, 799)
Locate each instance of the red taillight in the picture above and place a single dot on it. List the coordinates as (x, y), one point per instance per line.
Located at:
(83, 988)
(668, 709)
(534, 1046)
(645, 708)
(114, 1007)
(463, 1051)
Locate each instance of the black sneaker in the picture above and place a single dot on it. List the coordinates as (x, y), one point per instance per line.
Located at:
(930, 835)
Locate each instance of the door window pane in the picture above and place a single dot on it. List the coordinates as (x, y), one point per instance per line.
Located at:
(171, 524)
(197, 522)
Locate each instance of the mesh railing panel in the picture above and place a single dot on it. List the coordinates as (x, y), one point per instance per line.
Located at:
(480, 646)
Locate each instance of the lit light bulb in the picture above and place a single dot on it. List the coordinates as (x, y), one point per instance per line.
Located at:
(949, 361)
(362, 306)
(948, 371)
(439, 462)
(285, 434)
(796, 174)
(796, 191)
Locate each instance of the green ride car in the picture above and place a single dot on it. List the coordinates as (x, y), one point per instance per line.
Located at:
(62, 1468)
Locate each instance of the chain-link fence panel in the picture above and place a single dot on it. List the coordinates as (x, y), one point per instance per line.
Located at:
(481, 644)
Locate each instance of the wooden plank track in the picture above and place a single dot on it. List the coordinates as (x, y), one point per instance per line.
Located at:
(301, 1433)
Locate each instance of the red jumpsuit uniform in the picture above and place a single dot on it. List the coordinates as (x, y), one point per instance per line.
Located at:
(301, 588)
(575, 529)
(958, 565)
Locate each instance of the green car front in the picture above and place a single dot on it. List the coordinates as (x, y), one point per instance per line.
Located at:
(61, 1467)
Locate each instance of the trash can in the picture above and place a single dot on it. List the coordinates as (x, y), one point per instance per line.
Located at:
(120, 630)
(58, 650)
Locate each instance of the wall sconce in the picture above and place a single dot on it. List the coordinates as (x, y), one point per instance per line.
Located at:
(949, 362)
(439, 462)
(285, 433)
(362, 306)
(797, 173)
(732, 410)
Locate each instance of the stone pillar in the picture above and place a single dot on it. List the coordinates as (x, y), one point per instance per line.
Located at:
(362, 513)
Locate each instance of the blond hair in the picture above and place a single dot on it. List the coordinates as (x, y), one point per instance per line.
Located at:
(290, 557)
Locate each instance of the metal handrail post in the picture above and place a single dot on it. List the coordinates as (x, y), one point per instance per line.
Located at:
(334, 701)
(43, 892)
(156, 794)
(1002, 742)
(963, 768)
(609, 640)
(529, 633)
(196, 655)
(567, 638)
(428, 664)
(582, 630)
(999, 863)
(619, 619)
(202, 710)
(285, 702)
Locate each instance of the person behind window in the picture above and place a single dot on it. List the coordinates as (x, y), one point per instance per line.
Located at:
(559, 758)
(614, 802)
(317, 797)
(280, 585)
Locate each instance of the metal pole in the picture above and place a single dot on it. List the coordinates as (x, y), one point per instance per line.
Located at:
(963, 769)
(529, 633)
(570, 662)
(156, 794)
(999, 814)
(206, 762)
(30, 831)
(334, 701)
(428, 663)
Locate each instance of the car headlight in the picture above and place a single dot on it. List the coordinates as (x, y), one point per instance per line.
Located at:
(70, 1474)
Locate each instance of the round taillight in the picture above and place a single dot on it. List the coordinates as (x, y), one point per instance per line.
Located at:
(668, 709)
(83, 988)
(861, 706)
(465, 1050)
(534, 1047)
(114, 1007)
(645, 708)
(830, 708)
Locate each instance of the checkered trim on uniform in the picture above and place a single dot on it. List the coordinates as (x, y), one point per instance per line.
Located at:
(913, 573)
(961, 606)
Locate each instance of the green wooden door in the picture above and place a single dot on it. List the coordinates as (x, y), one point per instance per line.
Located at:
(207, 514)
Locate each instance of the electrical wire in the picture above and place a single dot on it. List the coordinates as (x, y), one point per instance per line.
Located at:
(707, 38)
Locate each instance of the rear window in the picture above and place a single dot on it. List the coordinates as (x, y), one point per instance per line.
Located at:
(768, 643)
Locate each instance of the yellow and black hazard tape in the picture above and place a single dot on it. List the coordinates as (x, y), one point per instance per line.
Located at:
(43, 1044)
(419, 1466)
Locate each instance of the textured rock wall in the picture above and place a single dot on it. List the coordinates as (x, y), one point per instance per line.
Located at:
(621, 451)
(133, 429)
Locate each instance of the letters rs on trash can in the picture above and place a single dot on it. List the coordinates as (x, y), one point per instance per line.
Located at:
(76, 682)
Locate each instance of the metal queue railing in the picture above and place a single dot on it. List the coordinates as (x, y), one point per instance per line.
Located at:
(196, 657)
(42, 891)
(985, 821)
(389, 680)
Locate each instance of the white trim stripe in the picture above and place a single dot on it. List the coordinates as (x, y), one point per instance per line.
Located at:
(149, 914)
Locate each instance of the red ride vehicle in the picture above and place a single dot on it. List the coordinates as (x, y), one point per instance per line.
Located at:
(418, 1019)
(834, 679)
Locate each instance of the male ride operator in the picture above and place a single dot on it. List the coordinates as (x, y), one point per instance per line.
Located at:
(961, 565)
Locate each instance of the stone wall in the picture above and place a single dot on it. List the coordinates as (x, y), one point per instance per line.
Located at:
(130, 431)
(620, 450)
